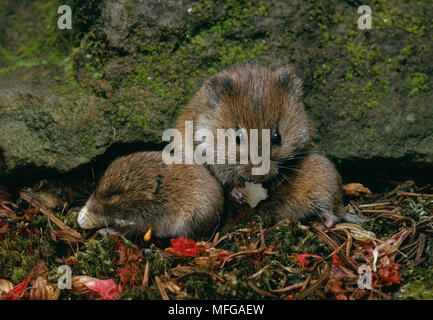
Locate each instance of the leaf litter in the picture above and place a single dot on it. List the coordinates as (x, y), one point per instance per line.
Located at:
(257, 260)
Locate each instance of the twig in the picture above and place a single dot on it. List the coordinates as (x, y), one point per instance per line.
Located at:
(289, 288)
(323, 278)
(413, 194)
(260, 291)
(145, 282)
(377, 211)
(374, 204)
(334, 246)
(215, 239)
(161, 289)
(231, 234)
(27, 196)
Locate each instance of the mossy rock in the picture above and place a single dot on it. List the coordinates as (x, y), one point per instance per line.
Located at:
(126, 70)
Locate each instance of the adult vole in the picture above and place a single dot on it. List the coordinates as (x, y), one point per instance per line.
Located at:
(300, 183)
(139, 191)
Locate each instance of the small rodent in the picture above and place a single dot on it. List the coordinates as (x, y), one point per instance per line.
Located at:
(139, 191)
(300, 183)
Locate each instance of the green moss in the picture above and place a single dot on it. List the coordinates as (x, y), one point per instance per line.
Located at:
(171, 77)
(40, 41)
(420, 284)
(20, 252)
(95, 259)
(416, 83)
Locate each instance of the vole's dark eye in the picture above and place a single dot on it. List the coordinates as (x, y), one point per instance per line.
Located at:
(276, 138)
(111, 194)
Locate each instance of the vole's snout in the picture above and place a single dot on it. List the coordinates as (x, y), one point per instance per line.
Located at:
(246, 173)
(88, 219)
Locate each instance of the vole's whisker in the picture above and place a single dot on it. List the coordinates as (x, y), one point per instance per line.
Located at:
(290, 168)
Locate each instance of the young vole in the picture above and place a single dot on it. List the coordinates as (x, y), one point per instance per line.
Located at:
(139, 191)
(299, 183)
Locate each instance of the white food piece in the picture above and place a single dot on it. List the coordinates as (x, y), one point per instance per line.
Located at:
(255, 193)
(88, 220)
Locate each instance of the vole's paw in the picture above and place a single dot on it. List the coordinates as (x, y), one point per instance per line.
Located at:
(108, 231)
(240, 195)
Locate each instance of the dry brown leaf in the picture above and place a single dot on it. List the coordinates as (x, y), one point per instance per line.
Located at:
(172, 287)
(78, 287)
(69, 235)
(41, 290)
(66, 233)
(39, 271)
(355, 189)
(5, 286)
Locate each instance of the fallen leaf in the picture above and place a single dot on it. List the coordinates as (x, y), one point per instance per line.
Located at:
(107, 289)
(17, 291)
(78, 284)
(39, 271)
(41, 290)
(355, 189)
(127, 274)
(128, 254)
(303, 259)
(69, 235)
(5, 286)
(172, 287)
(390, 245)
(336, 260)
(389, 275)
(70, 261)
(183, 247)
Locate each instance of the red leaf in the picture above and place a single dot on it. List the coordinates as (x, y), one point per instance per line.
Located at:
(303, 258)
(17, 291)
(127, 274)
(183, 247)
(107, 289)
(336, 260)
(389, 275)
(127, 254)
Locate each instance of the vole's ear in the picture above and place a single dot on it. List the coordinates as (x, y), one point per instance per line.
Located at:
(216, 88)
(290, 82)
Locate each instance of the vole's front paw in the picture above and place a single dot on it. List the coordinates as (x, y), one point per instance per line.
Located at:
(240, 195)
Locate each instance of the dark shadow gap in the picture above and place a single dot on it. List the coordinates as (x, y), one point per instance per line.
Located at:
(87, 173)
(381, 174)
(378, 174)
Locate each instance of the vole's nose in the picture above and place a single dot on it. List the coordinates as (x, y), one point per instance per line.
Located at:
(88, 220)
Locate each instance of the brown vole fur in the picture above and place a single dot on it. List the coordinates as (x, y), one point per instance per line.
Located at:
(300, 183)
(142, 192)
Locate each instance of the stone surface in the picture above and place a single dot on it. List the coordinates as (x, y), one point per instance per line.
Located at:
(128, 67)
